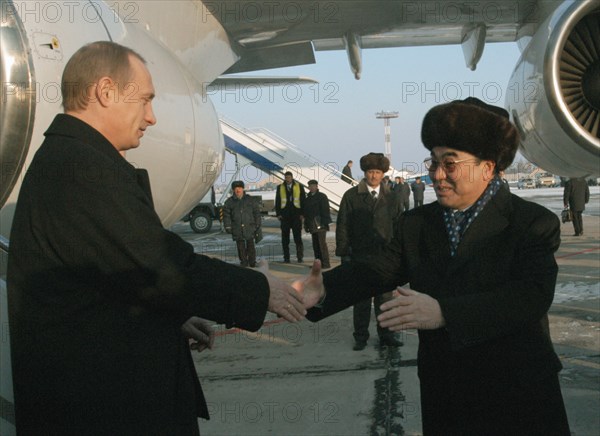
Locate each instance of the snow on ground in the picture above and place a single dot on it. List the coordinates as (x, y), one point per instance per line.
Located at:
(575, 291)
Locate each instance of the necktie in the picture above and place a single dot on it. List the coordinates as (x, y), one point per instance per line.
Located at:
(374, 194)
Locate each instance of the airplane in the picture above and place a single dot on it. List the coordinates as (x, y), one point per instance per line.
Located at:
(191, 44)
(554, 99)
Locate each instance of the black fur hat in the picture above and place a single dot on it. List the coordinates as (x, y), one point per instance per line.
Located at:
(473, 126)
(374, 161)
(237, 184)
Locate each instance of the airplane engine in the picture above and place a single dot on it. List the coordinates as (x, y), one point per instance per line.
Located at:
(554, 92)
(183, 153)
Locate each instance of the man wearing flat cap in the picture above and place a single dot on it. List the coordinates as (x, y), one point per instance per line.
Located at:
(241, 217)
(481, 269)
(365, 225)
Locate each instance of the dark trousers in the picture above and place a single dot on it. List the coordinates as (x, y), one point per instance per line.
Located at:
(406, 204)
(362, 317)
(577, 221)
(319, 241)
(246, 252)
(295, 225)
(418, 203)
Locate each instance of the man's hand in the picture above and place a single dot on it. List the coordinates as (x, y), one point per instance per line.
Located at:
(311, 287)
(200, 331)
(283, 299)
(411, 310)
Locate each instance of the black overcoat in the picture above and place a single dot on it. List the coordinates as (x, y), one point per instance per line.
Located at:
(492, 369)
(365, 226)
(317, 215)
(403, 190)
(98, 291)
(576, 194)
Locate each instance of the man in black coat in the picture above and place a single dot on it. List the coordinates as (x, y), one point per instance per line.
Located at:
(98, 290)
(402, 189)
(576, 195)
(365, 224)
(347, 172)
(289, 207)
(418, 189)
(241, 218)
(317, 218)
(480, 263)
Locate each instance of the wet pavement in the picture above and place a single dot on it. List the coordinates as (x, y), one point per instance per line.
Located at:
(305, 379)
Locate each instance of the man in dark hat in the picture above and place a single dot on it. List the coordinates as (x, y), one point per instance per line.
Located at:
(316, 221)
(241, 217)
(480, 263)
(366, 219)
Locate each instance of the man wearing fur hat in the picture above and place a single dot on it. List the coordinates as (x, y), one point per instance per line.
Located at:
(481, 268)
(365, 225)
(241, 217)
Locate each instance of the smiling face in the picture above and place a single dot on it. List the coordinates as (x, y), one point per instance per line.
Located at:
(457, 184)
(131, 109)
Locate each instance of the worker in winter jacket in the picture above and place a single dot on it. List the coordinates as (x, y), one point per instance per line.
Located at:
(241, 216)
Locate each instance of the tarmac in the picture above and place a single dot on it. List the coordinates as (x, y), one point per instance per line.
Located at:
(305, 379)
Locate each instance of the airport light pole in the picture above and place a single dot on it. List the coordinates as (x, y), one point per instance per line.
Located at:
(387, 116)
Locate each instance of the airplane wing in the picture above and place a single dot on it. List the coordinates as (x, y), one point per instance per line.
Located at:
(556, 103)
(284, 33)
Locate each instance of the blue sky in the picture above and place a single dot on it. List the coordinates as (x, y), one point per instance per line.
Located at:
(335, 120)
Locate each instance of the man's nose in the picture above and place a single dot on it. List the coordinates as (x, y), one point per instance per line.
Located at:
(150, 117)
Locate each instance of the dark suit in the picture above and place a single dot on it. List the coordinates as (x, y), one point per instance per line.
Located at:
(418, 190)
(577, 195)
(317, 218)
(364, 228)
(403, 190)
(98, 291)
(347, 174)
(492, 369)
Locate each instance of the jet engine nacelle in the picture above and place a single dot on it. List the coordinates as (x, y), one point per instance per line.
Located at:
(554, 92)
(183, 153)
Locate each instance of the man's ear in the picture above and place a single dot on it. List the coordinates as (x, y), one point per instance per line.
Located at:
(105, 91)
(488, 169)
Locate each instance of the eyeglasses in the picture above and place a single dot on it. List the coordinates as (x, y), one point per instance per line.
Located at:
(449, 166)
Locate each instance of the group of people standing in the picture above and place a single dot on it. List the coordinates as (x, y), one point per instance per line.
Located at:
(103, 300)
(293, 207)
(366, 220)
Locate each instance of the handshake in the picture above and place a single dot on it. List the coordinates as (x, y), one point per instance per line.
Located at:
(289, 301)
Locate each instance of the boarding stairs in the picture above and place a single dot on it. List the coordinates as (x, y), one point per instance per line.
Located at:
(274, 155)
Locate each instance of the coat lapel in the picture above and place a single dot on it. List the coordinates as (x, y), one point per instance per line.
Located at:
(491, 221)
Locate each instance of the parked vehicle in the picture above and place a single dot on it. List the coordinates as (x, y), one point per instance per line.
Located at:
(546, 180)
(526, 184)
(201, 217)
